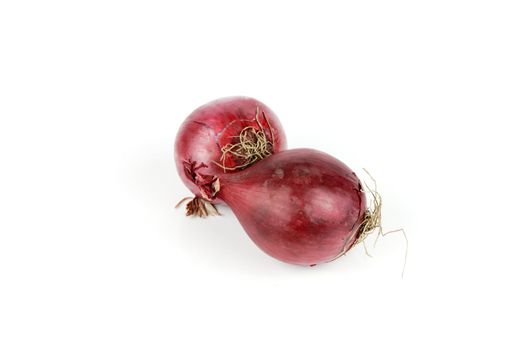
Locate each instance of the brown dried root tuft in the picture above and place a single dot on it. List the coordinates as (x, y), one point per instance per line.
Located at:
(372, 222)
(253, 145)
(372, 218)
(198, 206)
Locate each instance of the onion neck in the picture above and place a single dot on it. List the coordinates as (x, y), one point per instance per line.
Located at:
(208, 185)
(210, 189)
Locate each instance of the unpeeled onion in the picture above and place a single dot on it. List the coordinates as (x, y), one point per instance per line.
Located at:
(300, 206)
(222, 137)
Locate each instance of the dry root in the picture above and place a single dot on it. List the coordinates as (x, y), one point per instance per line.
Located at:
(198, 206)
(252, 145)
(372, 222)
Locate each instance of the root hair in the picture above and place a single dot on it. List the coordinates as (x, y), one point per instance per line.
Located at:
(198, 206)
(371, 223)
(252, 145)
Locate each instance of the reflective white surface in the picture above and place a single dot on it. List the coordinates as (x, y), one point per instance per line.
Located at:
(427, 96)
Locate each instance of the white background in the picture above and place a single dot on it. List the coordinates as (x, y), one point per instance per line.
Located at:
(427, 95)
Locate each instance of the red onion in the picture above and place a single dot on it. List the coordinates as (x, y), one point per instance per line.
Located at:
(300, 206)
(221, 137)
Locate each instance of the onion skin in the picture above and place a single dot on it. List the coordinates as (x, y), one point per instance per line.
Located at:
(300, 206)
(214, 125)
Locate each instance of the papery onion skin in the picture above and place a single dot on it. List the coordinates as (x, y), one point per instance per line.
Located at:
(300, 206)
(216, 124)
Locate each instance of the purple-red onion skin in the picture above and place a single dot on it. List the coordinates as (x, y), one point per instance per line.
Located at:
(300, 206)
(216, 124)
